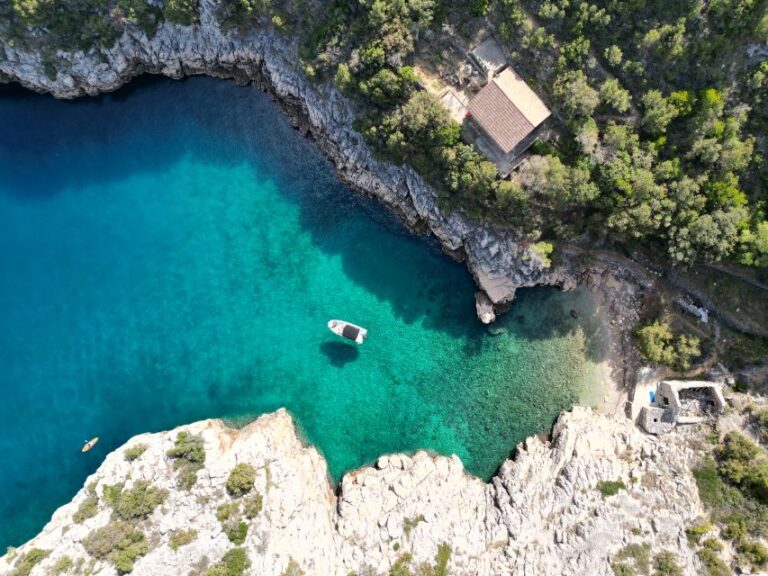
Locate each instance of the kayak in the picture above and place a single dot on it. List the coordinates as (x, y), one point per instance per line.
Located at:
(90, 444)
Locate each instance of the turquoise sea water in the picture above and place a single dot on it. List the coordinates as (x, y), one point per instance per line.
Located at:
(172, 252)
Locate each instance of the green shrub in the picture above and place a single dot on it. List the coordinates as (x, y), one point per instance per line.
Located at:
(621, 569)
(181, 538)
(293, 569)
(135, 452)
(253, 505)
(119, 542)
(410, 523)
(734, 527)
(182, 12)
(241, 480)
(760, 419)
(187, 476)
(665, 564)
(140, 501)
(695, 533)
(713, 563)
(343, 78)
(712, 544)
(638, 555)
(236, 532)
(388, 88)
(709, 483)
(754, 553)
(189, 455)
(234, 563)
(442, 558)
(28, 561)
(736, 457)
(88, 509)
(241, 14)
(742, 463)
(144, 15)
(543, 250)
(61, 566)
(225, 511)
(111, 492)
(189, 447)
(654, 342)
(657, 344)
(610, 487)
(402, 566)
(68, 24)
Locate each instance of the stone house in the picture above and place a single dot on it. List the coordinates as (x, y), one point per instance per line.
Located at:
(505, 118)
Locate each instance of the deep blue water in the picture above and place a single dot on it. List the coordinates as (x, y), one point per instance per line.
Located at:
(172, 252)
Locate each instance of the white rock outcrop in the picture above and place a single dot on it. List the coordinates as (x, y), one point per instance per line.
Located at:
(543, 513)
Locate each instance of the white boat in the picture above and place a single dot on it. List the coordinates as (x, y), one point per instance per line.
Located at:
(348, 330)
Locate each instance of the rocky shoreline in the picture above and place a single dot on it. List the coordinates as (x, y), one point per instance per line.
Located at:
(545, 512)
(498, 261)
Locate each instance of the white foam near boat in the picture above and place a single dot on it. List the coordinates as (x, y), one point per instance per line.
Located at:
(348, 330)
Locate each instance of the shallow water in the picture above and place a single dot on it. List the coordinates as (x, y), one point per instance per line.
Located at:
(172, 252)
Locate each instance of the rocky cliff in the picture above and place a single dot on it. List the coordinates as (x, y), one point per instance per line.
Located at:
(497, 260)
(543, 513)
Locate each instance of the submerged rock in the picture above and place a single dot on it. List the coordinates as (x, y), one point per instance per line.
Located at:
(484, 308)
(541, 514)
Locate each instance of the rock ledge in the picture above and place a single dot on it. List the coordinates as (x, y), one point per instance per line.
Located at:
(542, 514)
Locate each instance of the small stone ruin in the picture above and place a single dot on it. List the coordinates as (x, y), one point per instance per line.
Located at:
(679, 402)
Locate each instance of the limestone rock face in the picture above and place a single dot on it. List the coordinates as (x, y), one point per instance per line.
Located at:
(499, 262)
(484, 308)
(541, 515)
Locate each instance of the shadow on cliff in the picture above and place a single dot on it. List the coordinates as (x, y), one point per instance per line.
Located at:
(52, 147)
(57, 147)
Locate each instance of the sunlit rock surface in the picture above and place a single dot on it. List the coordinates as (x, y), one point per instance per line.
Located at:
(542, 514)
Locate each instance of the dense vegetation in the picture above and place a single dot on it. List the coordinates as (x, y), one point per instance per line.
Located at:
(734, 486)
(138, 502)
(659, 345)
(659, 112)
(27, 561)
(659, 109)
(230, 514)
(119, 542)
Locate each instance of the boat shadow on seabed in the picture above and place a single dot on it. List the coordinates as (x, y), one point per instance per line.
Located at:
(340, 353)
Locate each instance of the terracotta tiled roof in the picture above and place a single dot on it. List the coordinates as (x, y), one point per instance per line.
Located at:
(507, 110)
